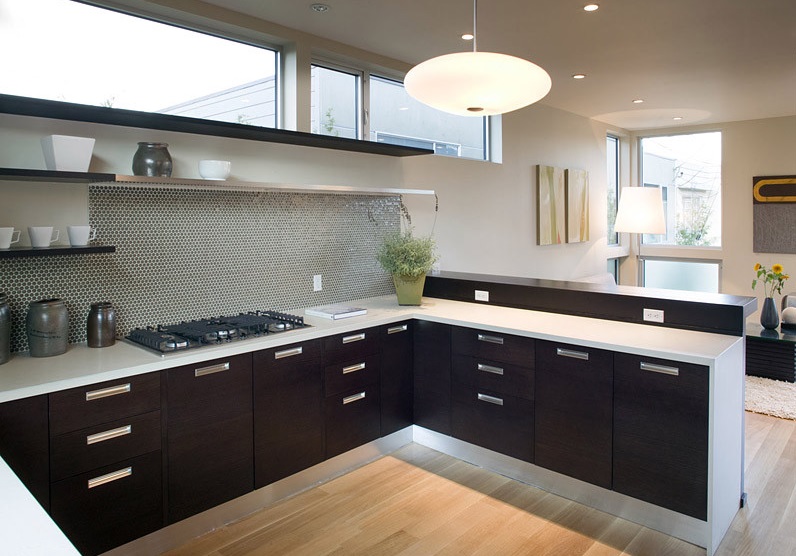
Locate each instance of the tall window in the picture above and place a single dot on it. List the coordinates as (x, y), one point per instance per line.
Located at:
(335, 102)
(612, 150)
(687, 168)
(72, 52)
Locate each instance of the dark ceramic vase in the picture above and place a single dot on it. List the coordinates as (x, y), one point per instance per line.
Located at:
(101, 325)
(152, 160)
(5, 329)
(769, 317)
(47, 325)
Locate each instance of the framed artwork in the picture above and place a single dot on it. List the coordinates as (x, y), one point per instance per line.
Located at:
(550, 205)
(577, 184)
(774, 217)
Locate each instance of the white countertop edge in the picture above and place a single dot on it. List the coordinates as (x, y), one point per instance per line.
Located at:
(26, 376)
(26, 528)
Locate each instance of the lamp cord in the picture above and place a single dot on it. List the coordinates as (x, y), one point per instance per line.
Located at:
(475, 35)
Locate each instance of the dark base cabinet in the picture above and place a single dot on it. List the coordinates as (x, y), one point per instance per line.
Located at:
(24, 444)
(352, 419)
(574, 411)
(432, 376)
(288, 411)
(111, 505)
(661, 432)
(209, 431)
(396, 377)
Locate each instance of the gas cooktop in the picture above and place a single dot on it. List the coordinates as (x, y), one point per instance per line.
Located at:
(213, 331)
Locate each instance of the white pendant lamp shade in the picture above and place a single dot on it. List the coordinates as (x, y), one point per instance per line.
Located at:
(640, 211)
(477, 83)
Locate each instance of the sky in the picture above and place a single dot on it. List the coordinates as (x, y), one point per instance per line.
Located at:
(58, 49)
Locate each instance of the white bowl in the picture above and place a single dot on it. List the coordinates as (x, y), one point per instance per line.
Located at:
(67, 153)
(214, 169)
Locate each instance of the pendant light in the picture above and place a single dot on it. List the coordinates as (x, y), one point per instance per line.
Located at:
(477, 83)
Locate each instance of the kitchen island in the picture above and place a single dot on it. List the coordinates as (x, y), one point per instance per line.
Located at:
(720, 354)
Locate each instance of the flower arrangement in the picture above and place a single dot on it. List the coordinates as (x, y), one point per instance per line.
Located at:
(772, 279)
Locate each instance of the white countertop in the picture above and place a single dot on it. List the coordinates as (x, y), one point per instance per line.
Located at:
(26, 376)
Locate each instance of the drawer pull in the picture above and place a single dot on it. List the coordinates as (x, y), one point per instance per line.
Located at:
(674, 371)
(108, 435)
(211, 369)
(288, 352)
(490, 399)
(573, 354)
(354, 398)
(107, 392)
(110, 477)
(396, 329)
(353, 368)
(353, 338)
(490, 369)
(490, 339)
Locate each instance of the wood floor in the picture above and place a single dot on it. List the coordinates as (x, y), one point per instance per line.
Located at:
(420, 502)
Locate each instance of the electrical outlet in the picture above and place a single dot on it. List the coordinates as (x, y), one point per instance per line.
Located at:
(317, 283)
(481, 295)
(653, 315)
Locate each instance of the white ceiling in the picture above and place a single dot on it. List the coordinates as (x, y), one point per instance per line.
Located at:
(706, 61)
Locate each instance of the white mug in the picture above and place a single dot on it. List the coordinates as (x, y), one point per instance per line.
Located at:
(79, 236)
(42, 236)
(7, 237)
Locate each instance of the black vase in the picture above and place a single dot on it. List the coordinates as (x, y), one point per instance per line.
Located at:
(152, 159)
(769, 318)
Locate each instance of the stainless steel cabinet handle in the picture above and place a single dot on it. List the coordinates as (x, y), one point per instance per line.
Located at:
(674, 371)
(110, 477)
(288, 353)
(354, 338)
(354, 398)
(571, 353)
(490, 399)
(353, 368)
(490, 339)
(107, 392)
(396, 329)
(490, 369)
(107, 435)
(211, 369)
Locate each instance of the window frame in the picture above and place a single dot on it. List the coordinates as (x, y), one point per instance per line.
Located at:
(360, 76)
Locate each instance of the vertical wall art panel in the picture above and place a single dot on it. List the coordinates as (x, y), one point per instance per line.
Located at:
(774, 200)
(577, 205)
(550, 205)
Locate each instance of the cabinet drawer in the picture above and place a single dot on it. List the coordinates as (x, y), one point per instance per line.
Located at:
(350, 375)
(286, 357)
(493, 420)
(495, 346)
(79, 408)
(351, 345)
(352, 419)
(100, 445)
(111, 505)
(505, 378)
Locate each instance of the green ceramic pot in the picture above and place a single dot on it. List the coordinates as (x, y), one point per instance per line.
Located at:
(409, 289)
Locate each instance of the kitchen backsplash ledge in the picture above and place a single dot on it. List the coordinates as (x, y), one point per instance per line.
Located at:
(192, 254)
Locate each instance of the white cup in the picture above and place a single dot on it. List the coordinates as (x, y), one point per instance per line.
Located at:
(42, 236)
(7, 237)
(79, 236)
(215, 169)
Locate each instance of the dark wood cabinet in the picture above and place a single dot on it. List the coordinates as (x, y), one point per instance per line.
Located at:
(352, 419)
(288, 410)
(661, 432)
(396, 377)
(432, 376)
(24, 444)
(574, 411)
(209, 431)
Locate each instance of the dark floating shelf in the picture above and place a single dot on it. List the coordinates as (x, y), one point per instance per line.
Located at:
(19, 252)
(24, 174)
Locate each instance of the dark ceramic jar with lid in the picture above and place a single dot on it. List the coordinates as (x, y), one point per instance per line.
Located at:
(47, 325)
(152, 160)
(5, 329)
(101, 325)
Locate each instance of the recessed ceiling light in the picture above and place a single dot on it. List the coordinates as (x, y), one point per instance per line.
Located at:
(468, 36)
(677, 118)
(320, 8)
(579, 76)
(591, 7)
(638, 100)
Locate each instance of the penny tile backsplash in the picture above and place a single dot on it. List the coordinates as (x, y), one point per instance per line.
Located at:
(183, 254)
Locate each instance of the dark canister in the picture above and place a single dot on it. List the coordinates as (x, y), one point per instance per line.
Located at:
(152, 159)
(47, 325)
(101, 325)
(5, 329)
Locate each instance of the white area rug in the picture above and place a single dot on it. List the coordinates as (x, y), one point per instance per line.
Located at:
(771, 397)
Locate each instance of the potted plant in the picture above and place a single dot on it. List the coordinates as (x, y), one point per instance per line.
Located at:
(408, 258)
(773, 281)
